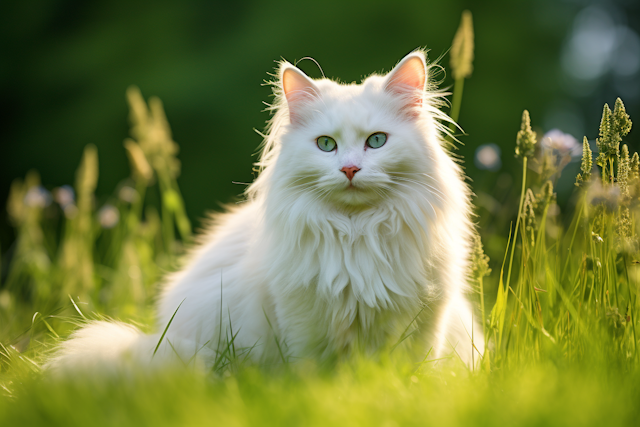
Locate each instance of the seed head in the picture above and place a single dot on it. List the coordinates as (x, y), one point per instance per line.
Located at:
(546, 195)
(87, 174)
(526, 139)
(621, 121)
(623, 171)
(462, 48)
(607, 146)
(587, 163)
(625, 234)
(634, 167)
(479, 260)
(139, 164)
(613, 126)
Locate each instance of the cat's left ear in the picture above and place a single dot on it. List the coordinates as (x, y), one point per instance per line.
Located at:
(298, 89)
(409, 78)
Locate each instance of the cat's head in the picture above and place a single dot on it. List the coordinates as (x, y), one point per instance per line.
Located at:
(355, 145)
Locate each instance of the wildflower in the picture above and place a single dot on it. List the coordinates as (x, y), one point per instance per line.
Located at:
(108, 216)
(462, 48)
(587, 163)
(526, 139)
(128, 194)
(561, 142)
(38, 197)
(488, 157)
(64, 196)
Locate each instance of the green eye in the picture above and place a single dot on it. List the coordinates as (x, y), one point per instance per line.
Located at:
(326, 143)
(377, 140)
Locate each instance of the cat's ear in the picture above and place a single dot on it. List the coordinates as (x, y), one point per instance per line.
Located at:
(298, 89)
(408, 78)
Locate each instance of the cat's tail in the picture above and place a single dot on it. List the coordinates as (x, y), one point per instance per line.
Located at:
(109, 347)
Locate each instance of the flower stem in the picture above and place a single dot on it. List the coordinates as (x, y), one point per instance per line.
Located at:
(515, 235)
(457, 102)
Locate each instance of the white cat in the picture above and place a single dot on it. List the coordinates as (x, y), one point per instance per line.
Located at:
(356, 229)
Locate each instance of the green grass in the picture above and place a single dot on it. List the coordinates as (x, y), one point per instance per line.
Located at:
(559, 307)
(366, 393)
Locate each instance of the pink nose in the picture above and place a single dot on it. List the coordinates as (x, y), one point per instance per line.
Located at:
(350, 171)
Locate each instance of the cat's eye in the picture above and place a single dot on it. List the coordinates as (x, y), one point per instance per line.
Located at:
(326, 143)
(377, 140)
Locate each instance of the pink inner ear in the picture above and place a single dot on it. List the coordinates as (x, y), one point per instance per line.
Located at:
(296, 85)
(409, 75)
(297, 88)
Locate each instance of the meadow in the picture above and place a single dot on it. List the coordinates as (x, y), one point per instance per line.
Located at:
(559, 310)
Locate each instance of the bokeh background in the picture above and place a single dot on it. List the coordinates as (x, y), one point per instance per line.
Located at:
(65, 66)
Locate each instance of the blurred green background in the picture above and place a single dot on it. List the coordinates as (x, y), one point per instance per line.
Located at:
(65, 66)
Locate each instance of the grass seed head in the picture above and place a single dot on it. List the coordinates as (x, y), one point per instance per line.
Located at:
(587, 163)
(607, 146)
(621, 121)
(634, 167)
(139, 164)
(462, 48)
(623, 171)
(479, 260)
(526, 139)
(546, 195)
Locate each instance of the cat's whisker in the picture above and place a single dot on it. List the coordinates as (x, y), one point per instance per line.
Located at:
(424, 199)
(437, 192)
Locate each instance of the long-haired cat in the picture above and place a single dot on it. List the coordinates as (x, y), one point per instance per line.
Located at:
(356, 229)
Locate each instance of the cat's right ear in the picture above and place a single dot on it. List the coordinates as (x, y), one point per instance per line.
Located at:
(298, 89)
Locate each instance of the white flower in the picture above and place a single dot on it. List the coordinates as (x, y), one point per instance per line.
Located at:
(37, 197)
(488, 157)
(64, 195)
(108, 216)
(128, 194)
(561, 142)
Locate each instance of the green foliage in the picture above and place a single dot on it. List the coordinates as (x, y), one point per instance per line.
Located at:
(109, 255)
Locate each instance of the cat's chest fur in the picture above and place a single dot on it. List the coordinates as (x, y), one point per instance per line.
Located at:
(337, 277)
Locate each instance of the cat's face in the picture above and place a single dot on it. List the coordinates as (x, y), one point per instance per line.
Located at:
(355, 145)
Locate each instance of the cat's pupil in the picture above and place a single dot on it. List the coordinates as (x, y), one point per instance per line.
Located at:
(326, 143)
(377, 140)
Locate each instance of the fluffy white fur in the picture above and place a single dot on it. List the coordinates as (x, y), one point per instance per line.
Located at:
(313, 265)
